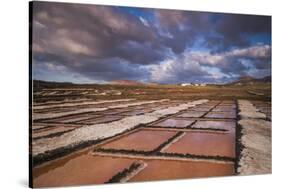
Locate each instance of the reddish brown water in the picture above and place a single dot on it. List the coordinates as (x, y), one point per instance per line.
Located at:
(81, 170)
(167, 169)
(174, 123)
(191, 114)
(203, 143)
(228, 125)
(226, 115)
(144, 140)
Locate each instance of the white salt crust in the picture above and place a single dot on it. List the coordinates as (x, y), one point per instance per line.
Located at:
(256, 138)
(101, 131)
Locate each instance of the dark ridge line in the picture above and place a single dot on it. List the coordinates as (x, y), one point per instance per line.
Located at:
(59, 102)
(189, 127)
(42, 128)
(191, 124)
(46, 100)
(233, 118)
(161, 146)
(206, 119)
(225, 111)
(208, 129)
(239, 146)
(100, 116)
(63, 151)
(52, 135)
(194, 109)
(122, 174)
(124, 113)
(89, 124)
(85, 106)
(60, 152)
(57, 122)
(171, 116)
(98, 112)
(79, 105)
(58, 96)
(46, 119)
(77, 122)
(210, 109)
(161, 154)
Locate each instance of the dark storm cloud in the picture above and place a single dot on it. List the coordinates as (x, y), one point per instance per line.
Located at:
(96, 69)
(96, 31)
(69, 33)
(235, 30)
(104, 43)
(181, 27)
(111, 69)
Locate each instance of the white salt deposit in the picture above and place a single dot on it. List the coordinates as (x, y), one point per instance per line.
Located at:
(101, 131)
(256, 138)
(78, 103)
(37, 116)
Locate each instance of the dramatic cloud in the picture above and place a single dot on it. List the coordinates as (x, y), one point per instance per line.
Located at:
(206, 67)
(88, 43)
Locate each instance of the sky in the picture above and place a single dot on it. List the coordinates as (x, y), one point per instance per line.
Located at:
(83, 43)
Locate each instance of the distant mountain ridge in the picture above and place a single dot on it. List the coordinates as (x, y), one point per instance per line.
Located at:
(249, 79)
(47, 84)
(125, 82)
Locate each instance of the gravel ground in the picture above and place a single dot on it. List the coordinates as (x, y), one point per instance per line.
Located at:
(256, 139)
(248, 110)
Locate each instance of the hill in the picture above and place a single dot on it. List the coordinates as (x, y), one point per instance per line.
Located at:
(125, 82)
(251, 80)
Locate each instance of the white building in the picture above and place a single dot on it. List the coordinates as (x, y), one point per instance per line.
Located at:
(186, 84)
